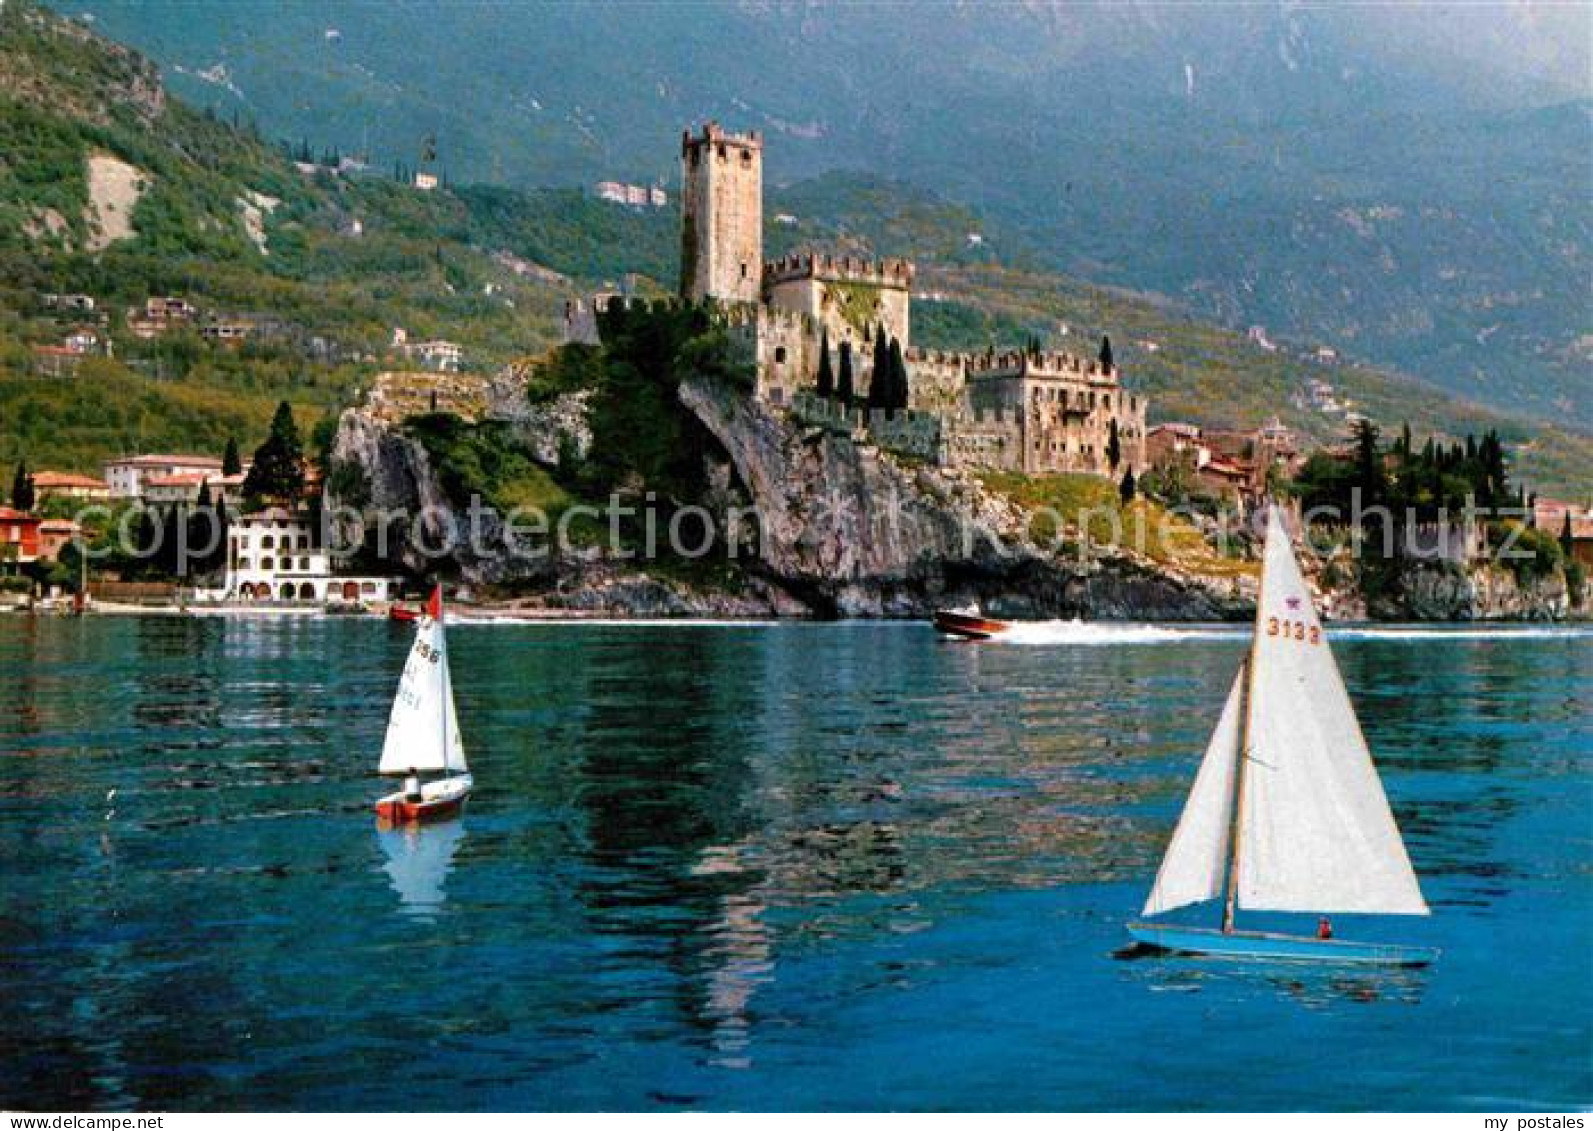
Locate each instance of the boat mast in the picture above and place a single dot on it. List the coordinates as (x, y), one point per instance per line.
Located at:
(448, 690)
(1236, 822)
(1231, 903)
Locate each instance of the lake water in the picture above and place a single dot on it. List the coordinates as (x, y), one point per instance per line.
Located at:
(751, 867)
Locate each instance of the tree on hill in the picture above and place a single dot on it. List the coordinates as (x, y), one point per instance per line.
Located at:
(1370, 475)
(844, 388)
(1114, 445)
(1105, 356)
(1565, 535)
(231, 464)
(826, 377)
(278, 468)
(22, 494)
(1128, 487)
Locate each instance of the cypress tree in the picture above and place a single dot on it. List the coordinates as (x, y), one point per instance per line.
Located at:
(1114, 445)
(1369, 474)
(879, 386)
(1128, 487)
(899, 390)
(231, 464)
(844, 390)
(278, 468)
(826, 377)
(1105, 356)
(22, 494)
(1565, 535)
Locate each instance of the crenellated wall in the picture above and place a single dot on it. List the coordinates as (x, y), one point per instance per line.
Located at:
(848, 296)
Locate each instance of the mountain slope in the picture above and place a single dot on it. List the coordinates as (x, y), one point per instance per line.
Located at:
(491, 267)
(1408, 184)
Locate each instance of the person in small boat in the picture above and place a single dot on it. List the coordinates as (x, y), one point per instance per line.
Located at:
(412, 785)
(1324, 928)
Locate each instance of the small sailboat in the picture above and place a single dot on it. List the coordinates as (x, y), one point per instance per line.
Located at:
(1287, 812)
(423, 731)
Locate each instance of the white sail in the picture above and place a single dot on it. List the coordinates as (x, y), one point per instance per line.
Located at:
(1315, 830)
(423, 729)
(1196, 865)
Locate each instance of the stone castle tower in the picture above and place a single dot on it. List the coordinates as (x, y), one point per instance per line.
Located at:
(721, 231)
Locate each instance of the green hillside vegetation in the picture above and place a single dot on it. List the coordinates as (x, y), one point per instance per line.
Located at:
(435, 264)
(1215, 377)
(1412, 190)
(1092, 509)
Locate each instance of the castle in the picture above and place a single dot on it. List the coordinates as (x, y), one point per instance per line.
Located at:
(1024, 410)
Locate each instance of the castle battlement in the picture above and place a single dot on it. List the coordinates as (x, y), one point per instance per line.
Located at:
(888, 272)
(1021, 363)
(770, 319)
(713, 134)
(938, 358)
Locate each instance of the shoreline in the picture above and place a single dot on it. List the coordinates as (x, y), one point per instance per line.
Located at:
(508, 615)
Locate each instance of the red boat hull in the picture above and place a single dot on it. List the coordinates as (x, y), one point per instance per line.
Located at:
(402, 812)
(969, 627)
(402, 615)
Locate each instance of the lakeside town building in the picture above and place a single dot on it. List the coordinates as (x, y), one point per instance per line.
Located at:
(70, 485)
(273, 555)
(126, 475)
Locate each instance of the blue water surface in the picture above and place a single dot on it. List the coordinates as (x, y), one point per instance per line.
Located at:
(795, 866)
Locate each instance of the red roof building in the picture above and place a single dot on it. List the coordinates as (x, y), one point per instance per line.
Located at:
(19, 536)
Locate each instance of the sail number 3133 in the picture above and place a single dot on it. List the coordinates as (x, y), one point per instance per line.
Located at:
(1294, 630)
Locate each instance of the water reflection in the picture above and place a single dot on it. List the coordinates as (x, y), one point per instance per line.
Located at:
(1301, 984)
(814, 866)
(419, 858)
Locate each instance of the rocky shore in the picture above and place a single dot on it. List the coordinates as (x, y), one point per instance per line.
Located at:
(845, 530)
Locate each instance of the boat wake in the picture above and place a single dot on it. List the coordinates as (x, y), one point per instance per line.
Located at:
(603, 622)
(1053, 632)
(1470, 632)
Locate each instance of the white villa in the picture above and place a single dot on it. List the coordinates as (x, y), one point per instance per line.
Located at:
(272, 556)
(126, 475)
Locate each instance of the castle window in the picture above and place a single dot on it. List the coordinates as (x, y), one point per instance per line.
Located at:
(779, 355)
(743, 270)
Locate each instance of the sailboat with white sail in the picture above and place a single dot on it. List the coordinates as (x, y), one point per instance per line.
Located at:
(1287, 812)
(423, 731)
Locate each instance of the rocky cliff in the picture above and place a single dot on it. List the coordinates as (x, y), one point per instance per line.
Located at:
(832, 527)
(852, 531)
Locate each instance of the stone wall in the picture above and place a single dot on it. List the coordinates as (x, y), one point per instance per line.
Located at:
(847, 296)
(936, 381)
